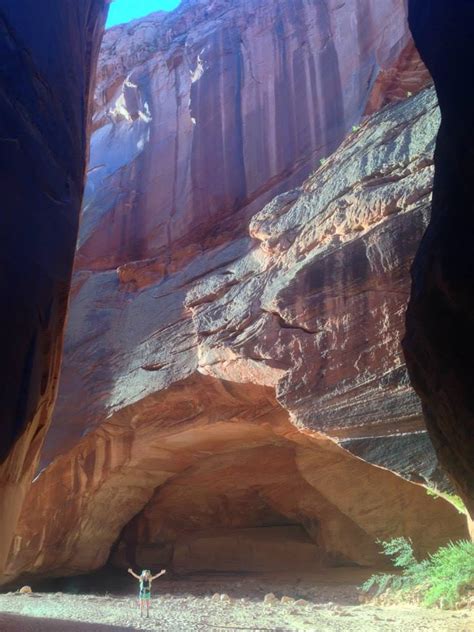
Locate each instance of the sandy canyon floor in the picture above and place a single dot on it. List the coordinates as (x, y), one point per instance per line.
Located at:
(328, 602)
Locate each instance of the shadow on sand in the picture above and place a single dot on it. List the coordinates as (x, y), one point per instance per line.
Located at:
(20, 623)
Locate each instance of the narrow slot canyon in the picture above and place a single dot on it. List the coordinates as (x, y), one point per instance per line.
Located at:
(226, 354)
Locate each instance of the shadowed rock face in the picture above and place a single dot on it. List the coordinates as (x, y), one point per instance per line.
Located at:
(48, 51)
(213, 399)
(439, 344)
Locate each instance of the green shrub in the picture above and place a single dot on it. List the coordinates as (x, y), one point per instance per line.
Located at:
(441, 579)
(451, 571)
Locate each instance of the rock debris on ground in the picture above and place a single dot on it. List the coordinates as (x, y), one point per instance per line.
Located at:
(223, 605)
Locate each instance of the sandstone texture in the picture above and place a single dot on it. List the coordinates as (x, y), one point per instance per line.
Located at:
(48, 52)
(439, 341)
(204, 114)
(165, 104)
(214, 403)
(399, 80)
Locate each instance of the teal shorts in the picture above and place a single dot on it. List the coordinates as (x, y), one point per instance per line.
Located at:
(144, 594)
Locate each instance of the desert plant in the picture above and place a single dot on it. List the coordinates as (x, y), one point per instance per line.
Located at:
(451, 571)
(441, 579)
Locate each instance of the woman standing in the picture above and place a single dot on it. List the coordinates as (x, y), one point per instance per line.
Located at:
(144, 594)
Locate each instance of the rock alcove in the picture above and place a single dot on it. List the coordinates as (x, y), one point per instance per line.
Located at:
(213, 476)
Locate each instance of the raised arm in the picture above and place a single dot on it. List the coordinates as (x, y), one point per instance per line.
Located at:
(134, 574)
(162, 572)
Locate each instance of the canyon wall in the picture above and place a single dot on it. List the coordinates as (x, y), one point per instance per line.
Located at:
(237, 381)
(233, 372)
(203, 115)
(48, 53)
(164, 189)
(439, 343)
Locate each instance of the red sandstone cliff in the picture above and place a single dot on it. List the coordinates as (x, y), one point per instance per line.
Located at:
(218, 348)
(204, 114)
(195, 449)
(46, 63)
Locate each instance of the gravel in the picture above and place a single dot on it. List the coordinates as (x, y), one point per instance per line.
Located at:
(192, 605)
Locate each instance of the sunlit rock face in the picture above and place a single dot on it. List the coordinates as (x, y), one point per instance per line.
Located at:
(203, 115)
(165, 193)
(215, 402)
(439, 342)
(46, 62)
